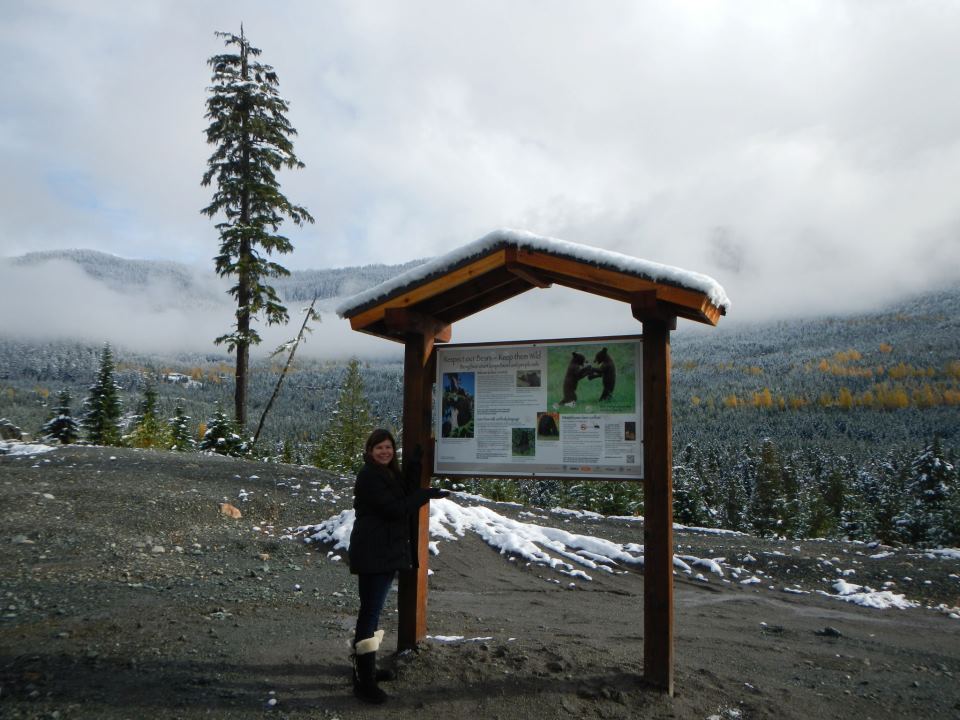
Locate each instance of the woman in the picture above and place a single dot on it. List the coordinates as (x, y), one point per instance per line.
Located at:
(381, 543)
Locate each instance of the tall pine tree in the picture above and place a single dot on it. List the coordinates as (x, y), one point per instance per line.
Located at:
(689, 506)
(252, 136)
(101, 419)
(732, 488)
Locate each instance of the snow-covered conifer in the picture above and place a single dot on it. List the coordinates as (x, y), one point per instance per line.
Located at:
(732, 491)
(179, 427)
(102, 407)
(223, 437)
(149, 431)
(765, 510)
(689, 506)
(61, 426)
(928, 493)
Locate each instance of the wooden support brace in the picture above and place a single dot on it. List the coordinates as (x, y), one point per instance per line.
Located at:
(646, 306)
(531, 276)
(402, 321)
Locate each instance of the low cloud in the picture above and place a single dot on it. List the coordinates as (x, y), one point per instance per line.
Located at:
(57, 300)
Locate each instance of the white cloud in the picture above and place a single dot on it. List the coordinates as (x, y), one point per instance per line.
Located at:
(59, 300)
(65, 302)
(803, 153)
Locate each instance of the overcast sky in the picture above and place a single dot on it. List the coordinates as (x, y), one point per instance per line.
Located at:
(805, 154)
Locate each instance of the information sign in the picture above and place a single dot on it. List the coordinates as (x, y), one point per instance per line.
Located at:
(565, 408)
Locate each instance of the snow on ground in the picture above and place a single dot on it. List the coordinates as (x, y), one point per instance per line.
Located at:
(457, 638)
(577, 555)
(590, 515)
(868, 597)
(15, 447)
(945, 553)
(558, 549)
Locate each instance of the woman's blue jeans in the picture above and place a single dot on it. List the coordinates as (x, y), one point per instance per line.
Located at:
(373, 595)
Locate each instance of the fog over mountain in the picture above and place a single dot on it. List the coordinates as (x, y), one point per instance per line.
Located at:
(167, 306)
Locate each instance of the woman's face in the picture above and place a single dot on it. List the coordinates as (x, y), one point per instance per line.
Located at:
(382, 453)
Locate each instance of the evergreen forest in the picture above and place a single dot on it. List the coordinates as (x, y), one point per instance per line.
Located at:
(840, 426)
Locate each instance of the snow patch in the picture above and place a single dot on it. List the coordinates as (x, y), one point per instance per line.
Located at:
(867, 597)
(945, 553)
(15, 447)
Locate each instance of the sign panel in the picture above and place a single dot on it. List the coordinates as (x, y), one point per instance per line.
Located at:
(566, 408)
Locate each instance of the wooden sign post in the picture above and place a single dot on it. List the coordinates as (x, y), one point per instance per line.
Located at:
(657, 499)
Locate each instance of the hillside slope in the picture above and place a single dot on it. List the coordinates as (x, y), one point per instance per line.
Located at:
(856, 385)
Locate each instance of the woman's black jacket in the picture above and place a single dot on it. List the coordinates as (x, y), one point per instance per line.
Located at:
(382, 538)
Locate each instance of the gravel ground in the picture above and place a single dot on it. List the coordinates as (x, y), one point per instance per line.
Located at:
(124, 592)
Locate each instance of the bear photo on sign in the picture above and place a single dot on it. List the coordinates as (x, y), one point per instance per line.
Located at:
(605, 383)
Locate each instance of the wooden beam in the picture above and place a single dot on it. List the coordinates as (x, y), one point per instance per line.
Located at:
(473, 305)
(419, 366)
(619, 285)
(533, 278)
(658, 507)
(592, 287)
(402, 321)
(448, 305)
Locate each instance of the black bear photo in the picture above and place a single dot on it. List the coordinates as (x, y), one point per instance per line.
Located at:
(524, 442)
(528, 378)
(576, 370)
(605, 367)
(547, 426)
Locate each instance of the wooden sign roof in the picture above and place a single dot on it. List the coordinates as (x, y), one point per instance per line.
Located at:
(431, 297)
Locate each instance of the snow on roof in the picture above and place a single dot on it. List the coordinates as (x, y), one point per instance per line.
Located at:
(656, 272)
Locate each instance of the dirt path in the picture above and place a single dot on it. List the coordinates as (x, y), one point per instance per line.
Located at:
(125, 594)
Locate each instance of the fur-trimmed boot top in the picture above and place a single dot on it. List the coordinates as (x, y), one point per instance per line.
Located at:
(365, 670)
